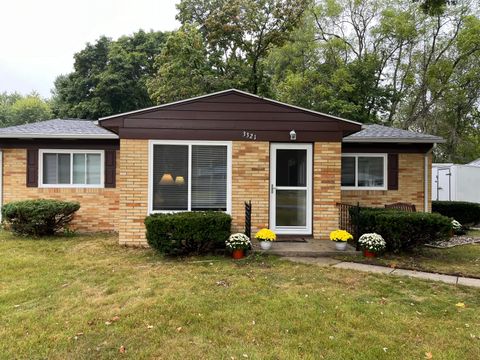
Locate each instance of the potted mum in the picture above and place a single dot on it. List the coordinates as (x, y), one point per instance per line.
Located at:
(372, 244)
(238, 243)
(265, 236)
(340, 237)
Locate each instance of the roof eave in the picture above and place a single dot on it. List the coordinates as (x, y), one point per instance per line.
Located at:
(395, 140)
(58, 136)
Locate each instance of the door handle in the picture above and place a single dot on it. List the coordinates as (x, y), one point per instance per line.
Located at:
(271, 188)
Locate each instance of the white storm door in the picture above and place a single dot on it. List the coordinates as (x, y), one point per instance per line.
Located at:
(291, 188)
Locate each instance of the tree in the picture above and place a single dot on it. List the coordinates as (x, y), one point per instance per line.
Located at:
(386, 62)
(183, 68)
(109, 77)
(16, 109)
(240, 33)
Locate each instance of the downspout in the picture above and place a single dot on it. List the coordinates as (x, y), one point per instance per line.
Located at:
(425, 179)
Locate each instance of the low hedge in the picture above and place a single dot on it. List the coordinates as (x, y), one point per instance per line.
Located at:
(184, 233)
(466, 213)
(403, 231)
(38, 217)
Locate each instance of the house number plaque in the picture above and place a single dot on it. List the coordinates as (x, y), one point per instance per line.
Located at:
(249, 135)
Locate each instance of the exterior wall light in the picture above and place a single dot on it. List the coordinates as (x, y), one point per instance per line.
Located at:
(293, 135)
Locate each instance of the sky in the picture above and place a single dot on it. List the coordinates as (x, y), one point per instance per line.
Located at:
(39, 38)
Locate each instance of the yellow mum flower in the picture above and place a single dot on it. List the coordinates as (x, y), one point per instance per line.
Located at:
(340, 235)
(266, 235)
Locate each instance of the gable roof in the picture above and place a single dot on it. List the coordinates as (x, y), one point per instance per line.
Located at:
(232, 115)
(385, 134)
(196, 98)
(58, 128)
(475, 162)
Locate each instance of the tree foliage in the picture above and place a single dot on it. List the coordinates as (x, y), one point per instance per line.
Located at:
(109, 77)
(16, 109)
(386, 62)
(227, 41)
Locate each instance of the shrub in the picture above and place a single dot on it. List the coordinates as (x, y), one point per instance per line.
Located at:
(466, 213)
(188, 232)
(403, 230)
(38, 217)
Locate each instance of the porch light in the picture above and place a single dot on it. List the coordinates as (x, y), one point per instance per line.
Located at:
(293, 135)
(179, 180)
(166, 179)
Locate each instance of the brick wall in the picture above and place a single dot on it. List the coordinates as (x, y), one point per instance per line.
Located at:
(326, 188)
(133, 180)
(250, 181)
(99, 207)
(410, 186)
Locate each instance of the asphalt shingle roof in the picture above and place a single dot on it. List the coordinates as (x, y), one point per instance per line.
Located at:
(58, 128)
(380, 133)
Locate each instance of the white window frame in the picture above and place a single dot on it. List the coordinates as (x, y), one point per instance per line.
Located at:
(71, 152)
(188, 143)
(385, 171)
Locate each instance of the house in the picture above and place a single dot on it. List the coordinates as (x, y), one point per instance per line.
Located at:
(455, 182)
(215, 152)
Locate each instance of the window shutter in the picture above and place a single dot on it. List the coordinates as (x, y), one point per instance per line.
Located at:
(392, 171)
(110, 168)
(32, 167)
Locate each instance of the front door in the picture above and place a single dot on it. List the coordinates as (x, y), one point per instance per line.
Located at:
(291, 188)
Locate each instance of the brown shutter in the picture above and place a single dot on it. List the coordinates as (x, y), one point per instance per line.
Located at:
(110, 168)
(392, 172)
(32, 167)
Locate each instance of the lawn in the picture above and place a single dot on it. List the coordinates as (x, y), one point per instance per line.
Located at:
(461, 260)
(85, 297)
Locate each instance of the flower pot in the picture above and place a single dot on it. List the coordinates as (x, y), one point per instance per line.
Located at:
(369, 254)
(340, 245)
(265, 245)
(238, 254)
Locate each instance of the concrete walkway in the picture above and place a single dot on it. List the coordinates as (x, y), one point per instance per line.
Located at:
(325, 261)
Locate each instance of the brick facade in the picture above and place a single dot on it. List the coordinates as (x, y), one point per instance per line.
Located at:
(133, 182)
(250, 181)
(125, 207)
(99, 207)
(411, 186)
(327, 161)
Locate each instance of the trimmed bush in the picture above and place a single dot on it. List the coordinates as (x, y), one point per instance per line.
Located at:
(185, 233)
(401, 230)
(38, 217)
(466, 213)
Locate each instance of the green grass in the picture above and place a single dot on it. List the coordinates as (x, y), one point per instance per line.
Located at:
(59, 299)
(463, 260)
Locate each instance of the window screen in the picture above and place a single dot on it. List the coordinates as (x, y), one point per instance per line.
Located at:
(175, 165)
(209, 177)
(72, 168)
(170, 177)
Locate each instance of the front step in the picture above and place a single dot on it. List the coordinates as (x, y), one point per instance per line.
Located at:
(312, 248)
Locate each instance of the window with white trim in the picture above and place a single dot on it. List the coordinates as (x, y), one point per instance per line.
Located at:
(189, 176)
(364, 171)
(71, 168)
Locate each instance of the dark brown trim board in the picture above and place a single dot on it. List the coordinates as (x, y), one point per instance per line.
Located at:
(389, 148)
(92, 144)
